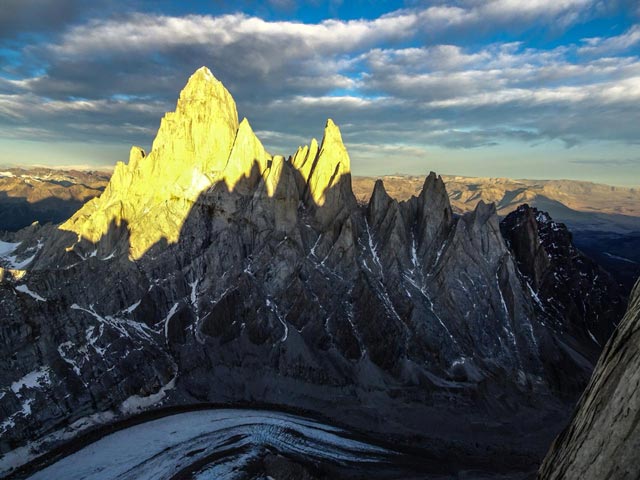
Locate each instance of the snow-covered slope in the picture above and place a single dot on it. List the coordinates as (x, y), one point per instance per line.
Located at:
(221, 444)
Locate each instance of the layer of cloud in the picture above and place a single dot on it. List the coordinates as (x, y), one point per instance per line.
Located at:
(400, 81)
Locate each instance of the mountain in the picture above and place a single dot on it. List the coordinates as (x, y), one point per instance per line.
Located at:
(603, 437)
(565, 283)
(581, 205)
(44, 195)
(604, 220)
(212, 272)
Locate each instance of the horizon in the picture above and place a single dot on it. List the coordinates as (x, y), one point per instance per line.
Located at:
(109, 169)
(416, 82)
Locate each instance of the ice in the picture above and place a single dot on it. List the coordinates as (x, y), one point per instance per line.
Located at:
(593, 338)
(25, 289)
(439, 254)
(110, 256)
(120, 324)
(22, 455)
(131, 308)
(504, 304)
(534, 295)
(194, 293)
(6, 255)
(313, 249)
(373, 246)
(171, 313)
(158, 449)
(63, 350)
(414, 253)
(7, 248)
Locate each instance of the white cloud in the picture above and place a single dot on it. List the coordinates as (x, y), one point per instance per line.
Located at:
(612, 45)
(287, 77)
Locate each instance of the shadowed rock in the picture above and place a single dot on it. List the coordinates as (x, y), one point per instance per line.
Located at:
(603, 438)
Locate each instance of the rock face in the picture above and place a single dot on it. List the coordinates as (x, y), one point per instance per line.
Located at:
(603, 438)
(565, 284)
(211, 271)
(153, 194)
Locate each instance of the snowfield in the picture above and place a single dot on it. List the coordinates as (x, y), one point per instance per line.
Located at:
(159, 449)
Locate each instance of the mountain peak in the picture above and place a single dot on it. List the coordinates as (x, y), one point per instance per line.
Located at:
(190, 152)
(202, 80)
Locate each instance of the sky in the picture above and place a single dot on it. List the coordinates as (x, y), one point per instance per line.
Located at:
(502, 88)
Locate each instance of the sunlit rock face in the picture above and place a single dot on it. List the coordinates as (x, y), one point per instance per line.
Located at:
(212, 271)
(153, 194)
(198, 145)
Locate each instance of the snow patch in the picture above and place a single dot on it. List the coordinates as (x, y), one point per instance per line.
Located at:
(131, 308)
(274, 308)
(137, 403)
(171, 313)
(35, 379)
(25, 289)
(593, 337)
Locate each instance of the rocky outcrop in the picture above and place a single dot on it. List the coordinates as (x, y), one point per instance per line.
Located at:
(565, 284)
(212, 271)
(603, 437)
(153, 194)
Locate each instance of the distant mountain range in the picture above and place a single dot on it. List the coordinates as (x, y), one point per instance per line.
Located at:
(579, 205)
(604, 220)
(45, 195)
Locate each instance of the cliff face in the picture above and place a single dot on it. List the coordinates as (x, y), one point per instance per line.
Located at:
(565, 283)
(603, 438)
(212, 271)
(153, 194)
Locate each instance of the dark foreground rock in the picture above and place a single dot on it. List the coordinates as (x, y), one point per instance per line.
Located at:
(603, 438)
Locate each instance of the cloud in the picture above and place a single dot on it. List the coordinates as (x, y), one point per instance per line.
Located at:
(612, 45)
(20, 17)
(390, 81)
(607, 162)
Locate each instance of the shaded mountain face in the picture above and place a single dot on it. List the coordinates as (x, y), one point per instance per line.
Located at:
(603, 437)
(565, 283)
(44, 195)
(211, 271)
(580, 205)
(604, 220)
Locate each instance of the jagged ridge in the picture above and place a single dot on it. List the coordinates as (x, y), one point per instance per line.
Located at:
(210, 270)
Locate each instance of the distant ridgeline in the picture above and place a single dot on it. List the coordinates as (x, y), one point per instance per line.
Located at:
(44, 195)
(210, 271)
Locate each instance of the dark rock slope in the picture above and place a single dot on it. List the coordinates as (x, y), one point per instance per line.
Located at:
(603, 438)
(565, 284)
(212, 271)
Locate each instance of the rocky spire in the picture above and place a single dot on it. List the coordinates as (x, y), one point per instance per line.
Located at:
(153, 194)
(202, 128)
(247, 161)
(435, 216)
(326, 176)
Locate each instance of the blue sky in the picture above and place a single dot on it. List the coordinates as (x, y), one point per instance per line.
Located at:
(525, 89)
